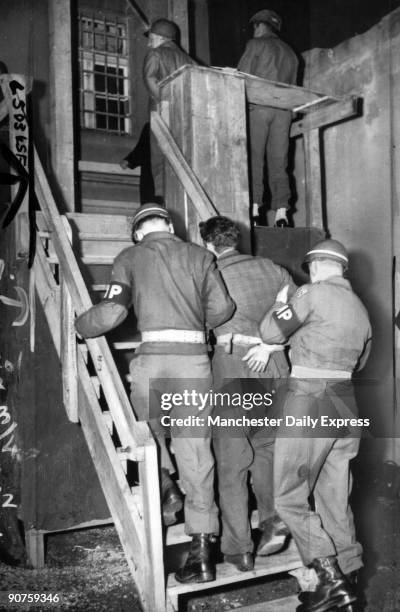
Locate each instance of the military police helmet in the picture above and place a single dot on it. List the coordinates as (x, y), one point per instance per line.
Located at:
(267, 16)
(149, 210)
(165, 28)
(328, 249)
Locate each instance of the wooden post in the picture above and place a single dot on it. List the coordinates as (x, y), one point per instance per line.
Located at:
(35, 548)
(313, 186)
(181, 168)
(62, 116)
(150, 489)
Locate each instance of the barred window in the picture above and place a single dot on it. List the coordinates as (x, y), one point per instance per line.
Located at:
(103, 65)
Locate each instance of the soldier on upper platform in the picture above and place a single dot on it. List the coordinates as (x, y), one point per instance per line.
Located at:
(162, 59)
(269, 57)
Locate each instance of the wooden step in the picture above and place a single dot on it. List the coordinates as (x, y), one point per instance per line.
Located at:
(106, 168)
(96, 238)
(176, 535)
(283, 604)
(91, 259)
(92, 223)
(228, 574)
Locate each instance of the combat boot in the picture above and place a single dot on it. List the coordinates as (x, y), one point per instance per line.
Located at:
(199, 566)
(333, 589)
(171, 499)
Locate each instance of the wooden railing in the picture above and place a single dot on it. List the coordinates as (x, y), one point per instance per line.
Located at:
(135, 510)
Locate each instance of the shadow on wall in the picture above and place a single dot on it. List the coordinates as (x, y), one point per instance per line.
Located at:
(374, 391)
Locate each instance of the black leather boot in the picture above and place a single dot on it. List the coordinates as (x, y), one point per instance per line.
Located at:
(199, 566)
(333, 589)
(171, 498)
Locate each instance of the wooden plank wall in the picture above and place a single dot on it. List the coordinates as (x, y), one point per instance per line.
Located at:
(205, 111)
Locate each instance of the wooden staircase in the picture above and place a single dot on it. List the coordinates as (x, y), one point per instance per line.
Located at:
(95, 240)
(62, 291)
(93, 393)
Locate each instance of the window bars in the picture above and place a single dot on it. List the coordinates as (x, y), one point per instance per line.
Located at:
(103, 64)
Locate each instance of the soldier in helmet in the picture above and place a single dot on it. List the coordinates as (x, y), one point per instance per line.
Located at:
(175, 290)
(329, 333)
(269, 57)
(163, 58)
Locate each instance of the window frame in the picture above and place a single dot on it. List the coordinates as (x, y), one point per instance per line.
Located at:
(102, 109)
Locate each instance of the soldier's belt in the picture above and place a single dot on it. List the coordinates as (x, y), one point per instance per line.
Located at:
(305, 372)
(238, 339)
(174, 335)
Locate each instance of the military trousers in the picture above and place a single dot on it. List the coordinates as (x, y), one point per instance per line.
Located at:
(269, 142)
(316, 463)
(173, 374)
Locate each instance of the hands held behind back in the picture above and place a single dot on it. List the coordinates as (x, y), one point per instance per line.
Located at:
(257, 357)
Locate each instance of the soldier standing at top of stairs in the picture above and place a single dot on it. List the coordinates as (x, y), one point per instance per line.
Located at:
(163, 58)
(269, 57)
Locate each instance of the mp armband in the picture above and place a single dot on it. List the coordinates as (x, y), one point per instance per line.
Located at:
(286, 319)
(118, 293)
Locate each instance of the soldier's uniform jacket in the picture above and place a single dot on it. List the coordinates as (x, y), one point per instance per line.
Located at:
(327, 324)
(170, 283)
(253, 283)
(163, 61)
(271, 58)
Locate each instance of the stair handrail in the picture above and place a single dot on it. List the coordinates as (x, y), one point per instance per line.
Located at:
(133, 434)
(187, 177)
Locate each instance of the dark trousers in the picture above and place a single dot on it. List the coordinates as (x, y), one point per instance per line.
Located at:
(305, 464)
(236, 456)
(239, 451)
(269, 139)
(140, 157)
